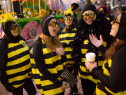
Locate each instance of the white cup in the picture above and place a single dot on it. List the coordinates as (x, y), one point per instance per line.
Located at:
(90, 56)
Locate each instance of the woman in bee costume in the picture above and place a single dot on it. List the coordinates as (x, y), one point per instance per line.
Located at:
(113, 79)
(91, 23)
(49, 58)
(15, 64)
(66, 36)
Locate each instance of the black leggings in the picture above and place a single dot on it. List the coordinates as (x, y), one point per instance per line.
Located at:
(73, 89)
(28, 86)
(88, 87)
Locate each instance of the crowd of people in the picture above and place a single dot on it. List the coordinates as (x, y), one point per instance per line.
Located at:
(56, 50)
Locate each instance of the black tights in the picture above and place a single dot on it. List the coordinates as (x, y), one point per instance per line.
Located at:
(28, 86)
(88, 87)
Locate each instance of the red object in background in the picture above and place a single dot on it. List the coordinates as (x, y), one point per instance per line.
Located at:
(109, 10)
(17, 0)
(31, 30)
(62, 20)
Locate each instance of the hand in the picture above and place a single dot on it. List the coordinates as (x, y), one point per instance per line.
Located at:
(95, 41)
(90, 65)
(65, 85)
(60, 51)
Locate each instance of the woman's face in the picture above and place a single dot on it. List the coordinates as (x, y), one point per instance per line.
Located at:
(68, 20)
(53, 27)
(115, 26)
(14, 30)
(89, 16)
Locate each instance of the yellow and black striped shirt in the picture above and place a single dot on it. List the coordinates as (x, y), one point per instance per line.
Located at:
(18, 67)
(100, 88)
(67, 37)
(84, 73)
(51, 63)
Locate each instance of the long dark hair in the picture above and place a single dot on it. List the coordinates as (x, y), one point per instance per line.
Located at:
(117, 44)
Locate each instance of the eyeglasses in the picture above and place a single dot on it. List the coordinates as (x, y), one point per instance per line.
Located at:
(68, 18)
(53, 23)
(13, 27)
(115, 21)
(90, 14)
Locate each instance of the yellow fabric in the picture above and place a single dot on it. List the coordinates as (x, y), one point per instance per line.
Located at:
(19, 59)
(99, 92)
(106, 72)
(54, 70)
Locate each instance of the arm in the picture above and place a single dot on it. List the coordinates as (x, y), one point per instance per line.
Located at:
(102, 49)
(2, 56)
(39, 60)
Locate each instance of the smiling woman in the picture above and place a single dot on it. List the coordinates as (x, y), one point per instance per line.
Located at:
(91, 23)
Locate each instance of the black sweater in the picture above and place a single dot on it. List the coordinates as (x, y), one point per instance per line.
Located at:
(117, 80)
(39, 60)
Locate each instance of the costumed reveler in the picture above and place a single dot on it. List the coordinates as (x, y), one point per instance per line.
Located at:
(113, 79)
(49, 58)
(66, 36)
(92, 23)
(15, 63)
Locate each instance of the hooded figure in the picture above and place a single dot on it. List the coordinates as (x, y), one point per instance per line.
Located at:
(91, 24)
(15, 66)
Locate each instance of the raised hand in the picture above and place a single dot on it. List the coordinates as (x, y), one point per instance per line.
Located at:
(95, 41)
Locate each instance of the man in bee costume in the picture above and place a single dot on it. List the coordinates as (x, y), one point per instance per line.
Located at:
(15, 67)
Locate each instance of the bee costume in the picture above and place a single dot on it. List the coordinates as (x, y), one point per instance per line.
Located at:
(66, 36)
(47, 65)
(82, 45)
(15, 67)
(113, 79)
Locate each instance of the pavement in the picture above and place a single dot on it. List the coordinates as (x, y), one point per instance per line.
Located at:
(3, 91)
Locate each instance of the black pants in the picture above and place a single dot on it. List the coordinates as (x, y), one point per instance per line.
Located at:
(73, 89)
(28, 86)
(88, 87)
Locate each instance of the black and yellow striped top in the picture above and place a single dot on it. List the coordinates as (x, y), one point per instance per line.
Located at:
(66, 38)
(18, 67)
(112, 80)
(84, 73)
(46, 68)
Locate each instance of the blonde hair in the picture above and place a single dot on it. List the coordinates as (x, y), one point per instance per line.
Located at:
(51, 42)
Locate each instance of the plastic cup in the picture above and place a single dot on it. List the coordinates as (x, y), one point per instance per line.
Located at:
(90, 56)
